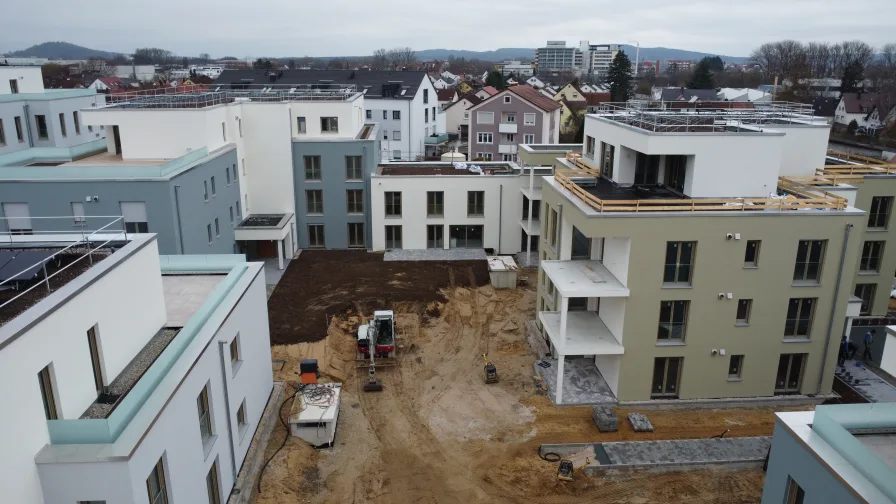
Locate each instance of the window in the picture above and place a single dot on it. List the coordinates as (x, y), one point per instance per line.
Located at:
(666, 374)
(385, 114)
(528, 138)
(865, 292)
(528, 119)
(509, 138)
(484, 138)
(62, 124)
(239, 215)
(809, 255)
(211, 484)
(41, 127)
(20, 134)
(316, 236)
(314, 201)
(577, 304)
(751, 256)
(355, 199)
(552, 228)
(735, 366)
(90, 129)
(94, 347)
(396, 135)
(205, 190)
(235, 177)
(396, 114)
(393, 204)
(484, 156)
(369, 114)
(475, 203)
(679, 262)
(506, 98)
(18, 218)
(790, 373)
(77, 122)
(385, 135)
(78, 213)
(509, 117)
(214, 190)
(356, 235)
(312, 167)
(425, 115)
(217, 228)
(673, 320)
(485, 117)
(13, 86)
(227, 175)
(239, 126)
(241, 420)
(134, 215)
(48, 392)
(224, 131)
(329, 124)
(243, 162)
(155, 484)
(872, 251)
(879, 214)
(301, 126)
(231, 215)
(466, 115)
(396, 154)
(607, 156)
(795, 494)
(743, 311)
(433, 118)
(353, 169)
(435, 206)
(393, 237)
(208, 229)
(435, 236)
(799, 317)
(425, 96)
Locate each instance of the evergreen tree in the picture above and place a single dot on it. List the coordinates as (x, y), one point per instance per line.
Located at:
(853, 74)
(619, 77)
(496, 80)
(702, 77)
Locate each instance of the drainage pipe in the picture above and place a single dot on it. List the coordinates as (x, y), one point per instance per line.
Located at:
(827, 341)
(500, 216)
(180, 229)
(221, 345)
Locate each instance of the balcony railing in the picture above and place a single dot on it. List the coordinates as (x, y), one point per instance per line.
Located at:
(507, 127)
(436, 139)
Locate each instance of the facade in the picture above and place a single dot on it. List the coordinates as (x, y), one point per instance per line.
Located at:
(723, 302)
(523, 70)
(596, 58)
(861, 108)
(556, 57)
(684, 66)
(535, 82)
(91, 426)
(457, 116)
(514, 116)
(837, 454)
(31, 116)
(404, 104)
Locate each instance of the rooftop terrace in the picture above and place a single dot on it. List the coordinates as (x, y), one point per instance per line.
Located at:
(200, 98)
(446, 168)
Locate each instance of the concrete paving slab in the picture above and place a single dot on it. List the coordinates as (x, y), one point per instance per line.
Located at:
(272, 272)
(456, 254)
(687, 451)
(184, 294)
(866, 383)
(582, 383)
(531, 263)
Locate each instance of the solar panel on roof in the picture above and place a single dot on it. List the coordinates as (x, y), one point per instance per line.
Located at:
(25, 265)
(6, 256)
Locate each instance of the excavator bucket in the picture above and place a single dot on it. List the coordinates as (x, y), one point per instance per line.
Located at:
(565, 470)
(373, 385)
(491, 373)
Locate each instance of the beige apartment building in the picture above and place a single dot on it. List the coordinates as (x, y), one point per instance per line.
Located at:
(696, 256)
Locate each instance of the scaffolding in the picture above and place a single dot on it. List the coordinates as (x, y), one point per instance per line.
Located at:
(707, 117)
(200, 98)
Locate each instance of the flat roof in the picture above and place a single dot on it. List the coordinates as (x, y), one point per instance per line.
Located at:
(583, 278)
(264, 221)
(446, 168)
(110, 159)
(608, 190)
(882, 445)
(185, 294)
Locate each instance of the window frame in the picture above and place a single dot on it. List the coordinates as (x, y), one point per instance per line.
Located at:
(435, 208)
(320, 239)
(47, 382)
(797, 319)
(314, 201)
(667, 362)
(43, 130)
(161, 495)
(786, 389)
(212, 484)
(678, 265)
(312, 167)
(744, 320)
(860, 292)
(668, 327)
(353, 166)
(62, 126)
(301, 125)
(868, 257)
(737, 375)
(77, 122)
(329, 124)
(481, 116)
(878, 219)
(527, 121)
(214, 187)
(475, 203)
(352, 242)
(392, 200)
(435, 240)
(96, 360)
(358, 201)
(801, 275)
(391, 241)
(758, 250)
(483, 134)
(528, 138)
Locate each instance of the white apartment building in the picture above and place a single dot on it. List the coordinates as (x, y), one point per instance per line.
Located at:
(556, 57)
(147, 397)
(404, 104)
(596, 58)
(31, 116)
(516, 67)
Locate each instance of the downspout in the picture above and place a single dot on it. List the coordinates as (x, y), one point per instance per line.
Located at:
(409, 129)
(28, 125)
(221, 345)
(827, 341)
(500, 215)
(559, 231)
(180, 229)
(368, 200)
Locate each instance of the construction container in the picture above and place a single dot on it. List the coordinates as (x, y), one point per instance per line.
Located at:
(502, 272)
(314, 413)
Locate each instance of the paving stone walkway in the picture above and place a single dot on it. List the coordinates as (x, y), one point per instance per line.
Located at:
(866, 383)
(456, 254)
(582, 382)
(687, 451)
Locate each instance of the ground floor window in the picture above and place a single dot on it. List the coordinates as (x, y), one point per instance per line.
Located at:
(393, 237)
(666, 376)
(790, 373)
(466, 236)
(533, 240)
(316, 236)
(356, 234)
(435, 236)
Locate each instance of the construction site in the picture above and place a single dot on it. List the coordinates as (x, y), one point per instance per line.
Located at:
(434, 430)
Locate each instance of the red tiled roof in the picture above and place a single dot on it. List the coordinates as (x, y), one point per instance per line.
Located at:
(470, 97)
(855, 101)
(446, 94)
(110, 81)
(490, 90)
(595, 99)
(533, 96)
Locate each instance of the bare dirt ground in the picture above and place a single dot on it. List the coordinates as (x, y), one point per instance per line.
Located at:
(438, 434)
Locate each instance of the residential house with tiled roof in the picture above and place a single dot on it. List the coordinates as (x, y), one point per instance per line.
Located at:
(446, 96)
(514, 116)
(570, 92)
(457, 115)
(863, 108)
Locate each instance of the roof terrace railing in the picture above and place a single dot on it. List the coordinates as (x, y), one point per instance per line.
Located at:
(196, 97)
(797, 197)
(710, 117)
(849, 156)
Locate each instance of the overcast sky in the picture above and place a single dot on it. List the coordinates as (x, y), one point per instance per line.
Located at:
(356, 27)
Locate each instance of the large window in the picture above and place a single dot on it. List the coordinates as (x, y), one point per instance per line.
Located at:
(393, 237)
(679, 262)
(790, 373)
(809, 256)
(485, 117)
(329, 124)
(393, 203)
(552, 227)
(314, 201)
(751, 256)
(466, 237)
(356, 235)
(666, 375)
(353, 170)
(316, 236)
(156, 486)
(646, 169)
(48, 393)
(865, 292)
(312, 167)
(879, 214)
(205, 416)
(607, 155)
(435, 236)
(484, 138)
(872, 251)
(435, 203)
(581, 245)
(475, 203)
(18, 218)
(799, 317)
(354, 200)
(673, 320)
(42, 132)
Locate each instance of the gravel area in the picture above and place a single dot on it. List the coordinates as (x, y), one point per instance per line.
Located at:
(132, 372)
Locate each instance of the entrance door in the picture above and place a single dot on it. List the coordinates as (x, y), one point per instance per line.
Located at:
(646, 169)
(790, 373)
(675, 170)
(666, 375)
(267, 248)
(117, 139)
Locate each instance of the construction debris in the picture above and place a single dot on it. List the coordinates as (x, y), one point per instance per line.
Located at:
(639, 422)
(605, 418)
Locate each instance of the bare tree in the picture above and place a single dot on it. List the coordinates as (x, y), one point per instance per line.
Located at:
(818, 57)
(204, 57)
(97, 67)
(766, 58)
(153, 56)
(402, 56)
(882, 73)
(379, 60)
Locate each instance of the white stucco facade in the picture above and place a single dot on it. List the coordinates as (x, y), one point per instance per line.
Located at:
(27, 79)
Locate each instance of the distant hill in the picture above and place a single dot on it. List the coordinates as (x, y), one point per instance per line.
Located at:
(60, 50)
(647, 54)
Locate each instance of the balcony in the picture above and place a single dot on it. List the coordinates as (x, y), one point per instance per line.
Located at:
(590, 279)
(534, 230)
(507, 127)
(506, 148)
(436, 139)
(586, 334)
